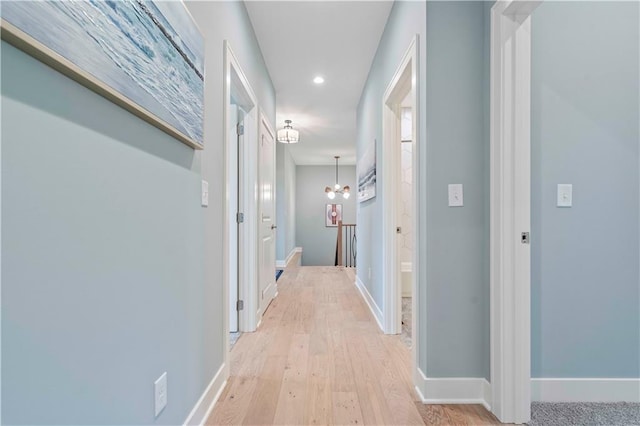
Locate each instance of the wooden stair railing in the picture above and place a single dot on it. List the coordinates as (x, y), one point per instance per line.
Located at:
(346, 245)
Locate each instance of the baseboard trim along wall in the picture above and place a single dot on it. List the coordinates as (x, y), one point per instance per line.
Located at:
(207, 401)
(285, 263)
(470, 390)
(454, 390)
(375, 310)
(585, 390)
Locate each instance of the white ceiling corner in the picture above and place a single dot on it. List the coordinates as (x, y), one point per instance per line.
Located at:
(334, 39)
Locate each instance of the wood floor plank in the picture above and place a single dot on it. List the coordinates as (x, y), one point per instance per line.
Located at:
(346, 409)
(319, 358)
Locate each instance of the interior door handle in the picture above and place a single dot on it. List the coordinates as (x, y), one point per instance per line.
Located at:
(273, 227)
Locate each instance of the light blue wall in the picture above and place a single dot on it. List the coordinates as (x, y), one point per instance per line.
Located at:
(318, 241)
(111, 269)
(456, 259)
(405, 21)
(453, 294)
(285, 202)
(585, 131)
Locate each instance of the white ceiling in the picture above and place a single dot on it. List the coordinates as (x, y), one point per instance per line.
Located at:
(335, 39)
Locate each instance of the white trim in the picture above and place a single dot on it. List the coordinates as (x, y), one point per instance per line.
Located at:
(236, 80)
(403, 82)
(405, 267)
(373, 307)
(203, 408)
(285, 263)
(585, 390)
(488, 395)
(406, 80)
(454, 390)
(510, 210)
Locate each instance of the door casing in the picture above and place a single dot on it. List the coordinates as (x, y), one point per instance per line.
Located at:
(405, 81)
(510, 217)
(236, 82)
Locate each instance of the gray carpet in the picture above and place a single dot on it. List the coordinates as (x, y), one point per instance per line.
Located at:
(584, 413)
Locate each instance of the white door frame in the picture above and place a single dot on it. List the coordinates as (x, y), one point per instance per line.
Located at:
(236, 81)
(510, 269)
(404, 81)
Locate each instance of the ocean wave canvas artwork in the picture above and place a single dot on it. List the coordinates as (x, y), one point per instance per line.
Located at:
(367, 174)
(150, 52)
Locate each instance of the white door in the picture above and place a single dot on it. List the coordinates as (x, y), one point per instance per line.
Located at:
(266, 220)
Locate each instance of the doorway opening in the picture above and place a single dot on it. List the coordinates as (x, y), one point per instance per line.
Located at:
(240, 207)
(400, 190)
(236, 133)
(406, 209)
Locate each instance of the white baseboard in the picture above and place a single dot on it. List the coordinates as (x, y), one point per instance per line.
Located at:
(207, 401)
(285, 263)
(585, 390)
(375, 310)
(453, 390)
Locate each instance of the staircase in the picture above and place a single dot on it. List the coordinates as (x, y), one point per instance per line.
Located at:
(346, 245)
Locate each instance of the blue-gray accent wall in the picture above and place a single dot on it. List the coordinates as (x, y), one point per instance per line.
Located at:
(456, 259)
(112, 271)
(454, 148)
(585, 131)
(318, 241)
(285, 202)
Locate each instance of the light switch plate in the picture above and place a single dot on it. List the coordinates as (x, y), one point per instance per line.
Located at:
(456, 195)
(160, 392)
(205, 193)
(565, 195)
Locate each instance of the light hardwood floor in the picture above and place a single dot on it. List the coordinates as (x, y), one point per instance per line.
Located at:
(319, 358)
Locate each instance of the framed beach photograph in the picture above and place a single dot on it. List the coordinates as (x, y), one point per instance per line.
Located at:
(367, 174)
(333, 214)
(146, 56)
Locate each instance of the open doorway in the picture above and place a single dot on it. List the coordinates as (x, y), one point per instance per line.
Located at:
(406, 211)
(236, 133)
(240, 253)
(400, 187)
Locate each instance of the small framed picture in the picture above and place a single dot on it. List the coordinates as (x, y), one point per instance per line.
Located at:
(333, 214)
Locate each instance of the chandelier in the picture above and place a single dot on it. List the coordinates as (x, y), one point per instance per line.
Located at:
(287, 134)
(337, 189)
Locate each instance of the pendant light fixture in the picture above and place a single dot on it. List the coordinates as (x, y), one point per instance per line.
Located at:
(337, 189)
(288, 134)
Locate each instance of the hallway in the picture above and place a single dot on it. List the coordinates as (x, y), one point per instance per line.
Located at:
(319, 358)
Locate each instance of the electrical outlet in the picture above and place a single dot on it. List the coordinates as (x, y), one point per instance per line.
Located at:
(160, 388)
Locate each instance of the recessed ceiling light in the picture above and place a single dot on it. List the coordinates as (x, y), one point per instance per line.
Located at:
(318, 80)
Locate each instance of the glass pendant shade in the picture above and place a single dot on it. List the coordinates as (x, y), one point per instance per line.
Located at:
(288, 134)
(337, 188)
